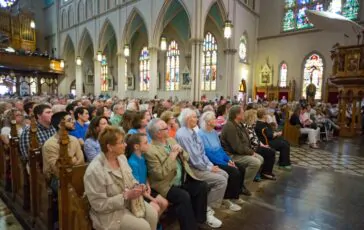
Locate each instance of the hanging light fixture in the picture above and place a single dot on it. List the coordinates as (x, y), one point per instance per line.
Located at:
(61, 63)
(32, 24)
(163, 43)
(228, 26)
(126, 50)
(78, 61)
(99, 56)
(228, 29)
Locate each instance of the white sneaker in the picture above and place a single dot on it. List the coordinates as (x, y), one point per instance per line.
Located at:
(231, 206)
(209, 209)
(212, 221)
(238, 201)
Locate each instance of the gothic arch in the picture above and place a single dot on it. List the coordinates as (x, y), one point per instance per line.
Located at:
(84, 42)
(68, 47)
(221, 10)
(128, 32)
(107, 33)
(161, 23)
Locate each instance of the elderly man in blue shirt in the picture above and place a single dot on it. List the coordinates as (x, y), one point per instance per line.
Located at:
(201, 165)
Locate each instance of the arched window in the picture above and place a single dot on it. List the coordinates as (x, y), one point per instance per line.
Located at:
(64, 20)
(144, 69)
(313, 71)
(172, 67)
(243, 49)
(70, 16)
(295, 11)
(283, 75)
(104, 74)
(89, 9)
(81, 12)
(209, 63)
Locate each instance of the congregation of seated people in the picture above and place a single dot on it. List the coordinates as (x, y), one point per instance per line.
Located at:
(149, 156)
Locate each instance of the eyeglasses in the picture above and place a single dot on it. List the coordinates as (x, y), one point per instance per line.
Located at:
(166, 128)
(70, 120)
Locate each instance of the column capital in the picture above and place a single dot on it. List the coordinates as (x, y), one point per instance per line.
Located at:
(196, 41)
(153, 49)
(230, 51)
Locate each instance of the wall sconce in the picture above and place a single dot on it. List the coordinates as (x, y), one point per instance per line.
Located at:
(32, 24)
(228, 29)
(126, 50)
(61, 63)
(163, 43)
(99, 56)
(78, 61)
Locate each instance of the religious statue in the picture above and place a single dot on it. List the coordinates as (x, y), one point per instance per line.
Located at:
(242, 87)
(311, 91)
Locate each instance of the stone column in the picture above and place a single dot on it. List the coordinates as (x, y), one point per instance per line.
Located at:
(231, 85)
(196, 69)
(97, 77)
(153, 57)
(79, 81)
(121, 75)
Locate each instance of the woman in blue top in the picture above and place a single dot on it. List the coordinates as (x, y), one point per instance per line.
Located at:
(218, 156)
(139, 124)
(92, 147)
(136, 145)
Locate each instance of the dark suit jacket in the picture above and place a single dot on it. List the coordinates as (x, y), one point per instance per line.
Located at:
(235, 139)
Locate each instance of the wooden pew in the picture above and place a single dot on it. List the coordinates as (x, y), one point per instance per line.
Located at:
(73, 205)
(291, 133)
(5, 167)
(42, 198)
(20, 177)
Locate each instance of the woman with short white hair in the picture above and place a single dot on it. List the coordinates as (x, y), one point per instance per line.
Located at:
(218, 157)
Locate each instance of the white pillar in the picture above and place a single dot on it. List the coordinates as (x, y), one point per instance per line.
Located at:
(196, 69)
(121, 75)
(97, 77)
(79, 81)
(231, 85)
(153, 55)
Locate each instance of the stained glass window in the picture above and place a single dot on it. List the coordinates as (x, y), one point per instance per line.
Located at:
(243, 49)
(104, 74)
(283, 75)
(209, 63)
(172, 73)
(295, 17)
(351, 9)
(313, 69)
(7, 3)
(144, 69)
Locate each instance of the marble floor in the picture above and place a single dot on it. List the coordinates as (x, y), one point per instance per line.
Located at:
(324, 191)
(7, 219)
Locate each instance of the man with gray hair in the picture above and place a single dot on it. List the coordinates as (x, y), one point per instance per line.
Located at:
(201, 165)
(170, 175)
(235, 140)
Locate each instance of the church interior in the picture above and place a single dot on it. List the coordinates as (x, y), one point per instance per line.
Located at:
(267, 94)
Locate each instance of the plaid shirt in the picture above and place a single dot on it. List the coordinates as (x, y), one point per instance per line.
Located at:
(43, 134)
